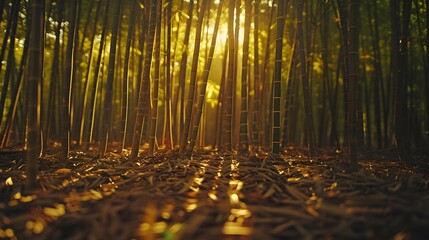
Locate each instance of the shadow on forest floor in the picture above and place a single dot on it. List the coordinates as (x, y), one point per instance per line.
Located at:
(214, 196)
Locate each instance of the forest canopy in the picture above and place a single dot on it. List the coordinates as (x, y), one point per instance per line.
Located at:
(231, 75)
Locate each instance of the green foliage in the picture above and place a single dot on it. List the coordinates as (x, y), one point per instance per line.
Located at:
(317, 16)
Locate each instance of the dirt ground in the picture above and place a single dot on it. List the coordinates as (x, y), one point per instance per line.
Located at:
(215, 196)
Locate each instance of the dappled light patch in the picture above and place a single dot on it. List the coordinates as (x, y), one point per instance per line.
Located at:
(216, 195)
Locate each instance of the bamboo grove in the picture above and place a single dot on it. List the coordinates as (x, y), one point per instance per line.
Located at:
(234, 75)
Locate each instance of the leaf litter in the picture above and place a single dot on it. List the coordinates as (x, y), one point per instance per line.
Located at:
(215, 196)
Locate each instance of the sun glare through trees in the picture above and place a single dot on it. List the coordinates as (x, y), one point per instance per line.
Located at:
(280, 118)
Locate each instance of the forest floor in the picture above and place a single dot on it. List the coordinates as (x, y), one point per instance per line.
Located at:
(215, 196)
